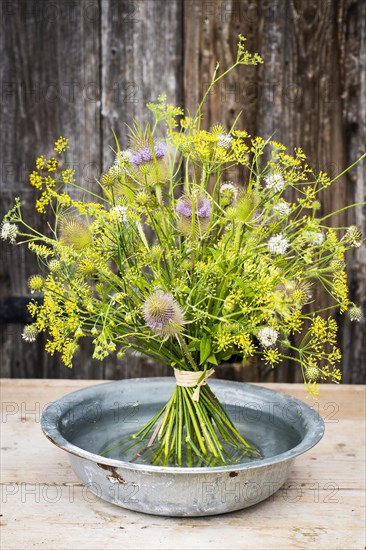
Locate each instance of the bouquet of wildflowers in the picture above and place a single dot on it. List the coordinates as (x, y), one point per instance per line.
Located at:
(175, 262)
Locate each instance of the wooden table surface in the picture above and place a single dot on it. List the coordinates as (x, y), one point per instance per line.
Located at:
(322, 505)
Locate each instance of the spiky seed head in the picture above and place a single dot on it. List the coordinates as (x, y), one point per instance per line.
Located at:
(35, 283)
(75, 233)
(87, 267)
(197, 207)
(245, 206)
(312, 374)
(54, 265)
(163, 314)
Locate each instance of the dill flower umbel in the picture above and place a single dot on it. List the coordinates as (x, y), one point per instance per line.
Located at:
(267, 336)
(278, 244)
(9, 231)
(163, 314)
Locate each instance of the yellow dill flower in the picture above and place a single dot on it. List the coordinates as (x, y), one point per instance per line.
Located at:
(340, 289)
(68, 176)
(41, 162)
(52, 165)
(35, 180)
(245, 344)
(294, 322)
(224, 340)
(61, 145)
(43, 201)
(271, 356)
(40, 250)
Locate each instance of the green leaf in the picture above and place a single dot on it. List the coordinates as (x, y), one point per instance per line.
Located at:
(212, 359)
(194, 345)
(205, 348)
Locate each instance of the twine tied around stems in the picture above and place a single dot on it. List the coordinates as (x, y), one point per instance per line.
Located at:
(190, 379)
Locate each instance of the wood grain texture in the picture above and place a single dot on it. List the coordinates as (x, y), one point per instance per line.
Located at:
(141, 58)
(352, 36)
(44, 505)
(50, 84)
(84, 68)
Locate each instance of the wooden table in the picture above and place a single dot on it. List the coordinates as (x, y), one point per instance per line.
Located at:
(44, 506)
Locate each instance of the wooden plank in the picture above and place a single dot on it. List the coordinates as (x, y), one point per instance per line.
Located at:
(40, 490)
(210, 35)
(50, 87)
(352, 33)
(141, 58)
(302, 92)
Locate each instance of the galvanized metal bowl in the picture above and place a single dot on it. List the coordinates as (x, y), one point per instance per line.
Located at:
(86, 422)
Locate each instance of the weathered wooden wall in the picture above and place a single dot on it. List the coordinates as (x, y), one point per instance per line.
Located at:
(82, 67)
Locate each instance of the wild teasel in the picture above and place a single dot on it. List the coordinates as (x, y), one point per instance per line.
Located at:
(228, 193)
(194, 214)
(149, 162)
(162, 314)
(245, 206)
(75, 233)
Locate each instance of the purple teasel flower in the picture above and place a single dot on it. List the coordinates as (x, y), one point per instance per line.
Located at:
(201, 205)
(163, 314)
(146, 154)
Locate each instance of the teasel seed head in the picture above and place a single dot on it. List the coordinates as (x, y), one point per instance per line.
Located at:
(75, 233)
(162, 314)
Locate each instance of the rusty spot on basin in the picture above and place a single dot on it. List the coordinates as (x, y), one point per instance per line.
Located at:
(114, 477)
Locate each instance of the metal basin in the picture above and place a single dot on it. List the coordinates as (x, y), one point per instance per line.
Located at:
(86, 422)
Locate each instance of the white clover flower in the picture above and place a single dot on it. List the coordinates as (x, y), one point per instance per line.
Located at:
(315, 237)
(353, 236)
(355, 313)
(30, 333)
(282, 208)
(275, 182)
(119, 213)
(224, 141)
(123, 157)
(9, 231)
(267, 336)
(228, 192)
(278, 244)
